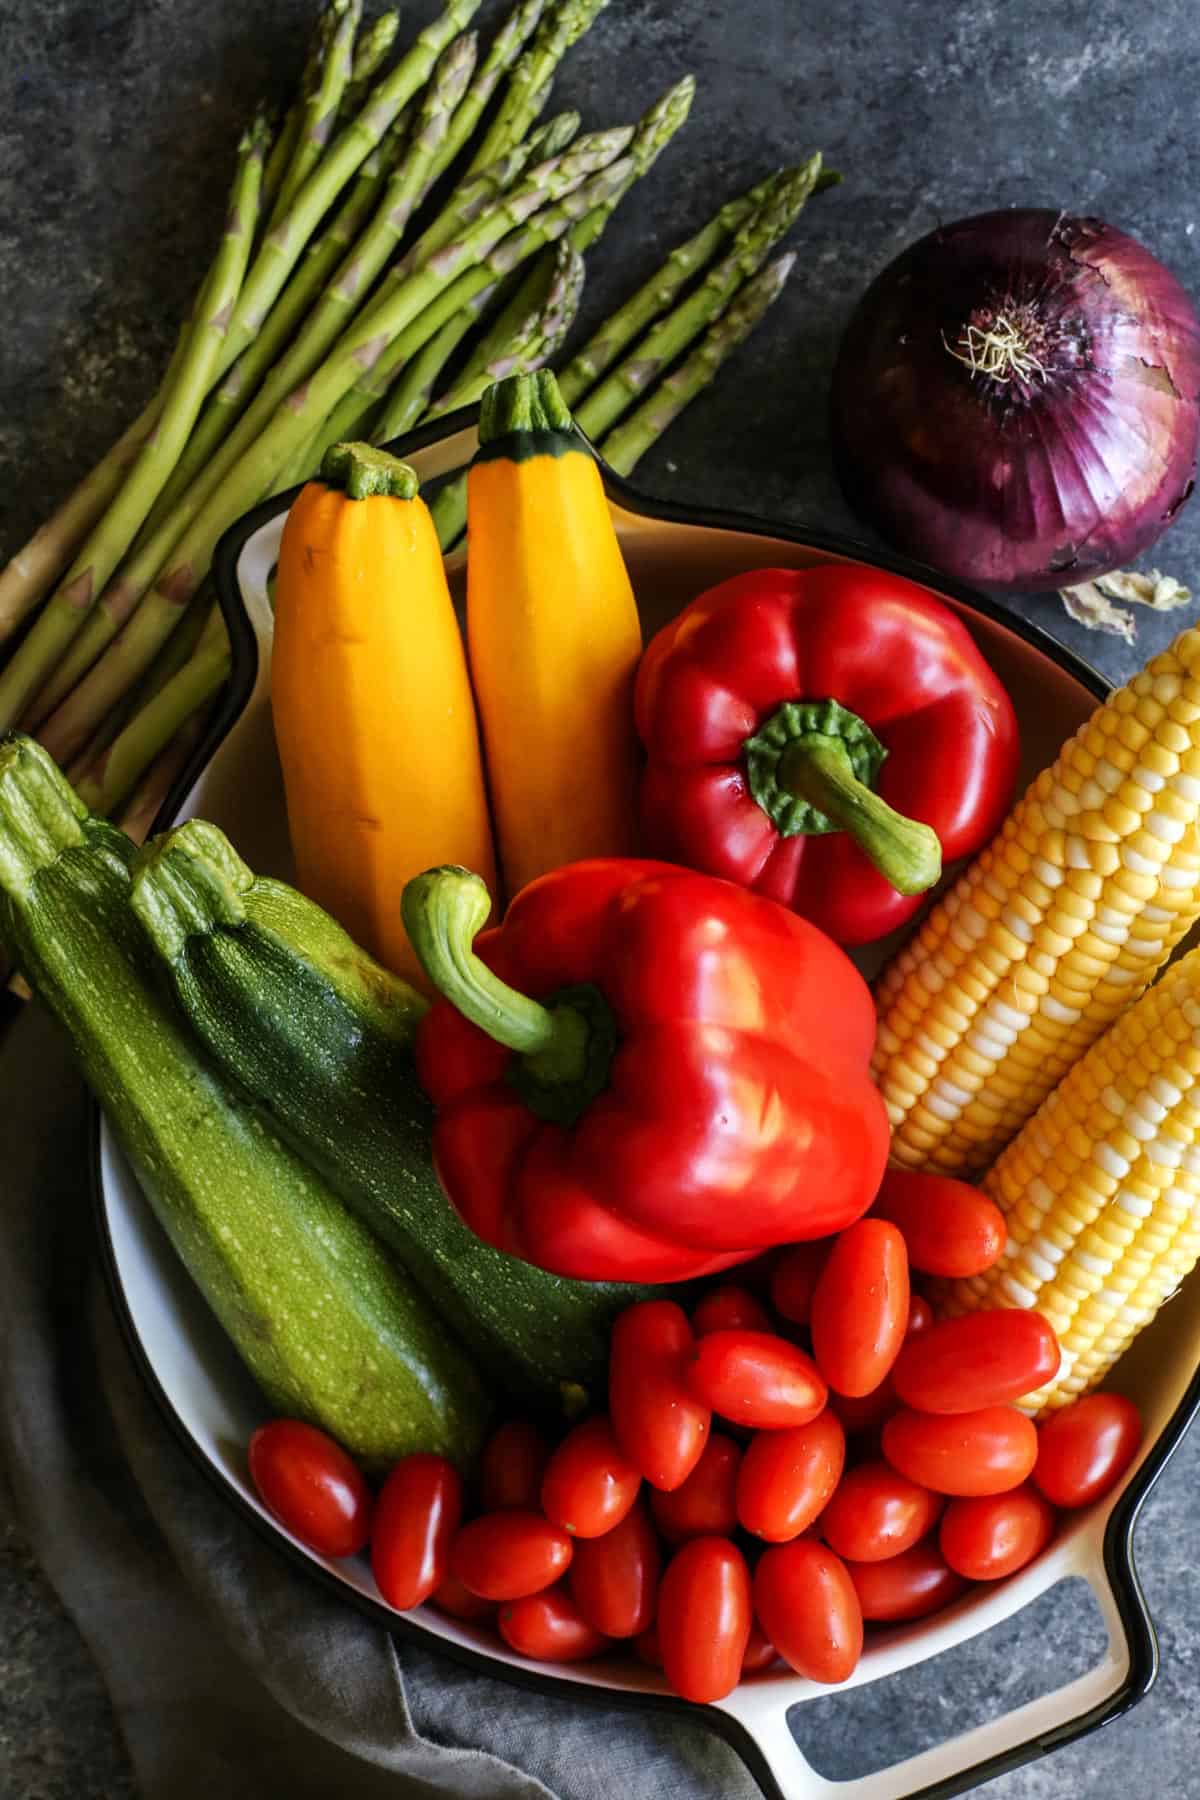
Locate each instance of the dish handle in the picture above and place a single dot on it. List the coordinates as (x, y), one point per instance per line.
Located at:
(973, 1756)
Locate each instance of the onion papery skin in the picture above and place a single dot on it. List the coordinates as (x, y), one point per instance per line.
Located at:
(1069, 468)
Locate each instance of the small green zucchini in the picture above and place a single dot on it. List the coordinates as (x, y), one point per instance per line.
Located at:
(333, 1331)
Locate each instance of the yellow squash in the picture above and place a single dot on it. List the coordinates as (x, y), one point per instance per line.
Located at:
(372, 701)
(553, 635)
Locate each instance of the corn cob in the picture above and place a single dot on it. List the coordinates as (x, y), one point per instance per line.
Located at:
(1061, 922)
(1102, 1190)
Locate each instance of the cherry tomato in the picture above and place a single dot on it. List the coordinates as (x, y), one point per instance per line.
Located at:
(787, 1477)
(506, 1555)
(996, 1534)
(614, 1578)
(794, 1277)
(704, 1618)
(730, 1308)
(548, 1627)
(908, 1586)
(949, 1228)
(657, 1421)
(419, 1509)
(877, 1513)
(760, 1651)
(1084, 1450)
(982, 1359)
(453, 1598)
(860, 1307)
(920, 1316)
(312, 1486)
(512, 1465)
(863, 1413)
(647, 1649)
(984, 1452)
(756, 1379)
(588, 1486)
(809, 1610)
(706, 1504)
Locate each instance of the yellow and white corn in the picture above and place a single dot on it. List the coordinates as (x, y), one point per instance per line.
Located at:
(1101, 1191)
(1061, 922)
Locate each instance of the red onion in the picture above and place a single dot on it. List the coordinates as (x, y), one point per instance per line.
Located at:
(1015, 400)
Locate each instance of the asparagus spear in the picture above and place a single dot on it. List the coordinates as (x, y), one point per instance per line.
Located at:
(168, 662)
(284, 147)
(563, 26)
(370, 53)
(653, 133)
(410, 395)
(111, 537)
(534, 342)
(136, 818)
(751, 248)
(476, 192)
(551, 139)
(449, 505)
(321, 329)
(505, 48)
(282, 150)
(281, 248)
(119, 768)
(322, 257)
(361, 401)
(655, 129)
(33, 569)
(623, 447)
(337, 29)
(493, 245)
(654, 297)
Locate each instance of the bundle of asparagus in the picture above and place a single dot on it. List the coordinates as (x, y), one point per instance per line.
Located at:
(409, 234)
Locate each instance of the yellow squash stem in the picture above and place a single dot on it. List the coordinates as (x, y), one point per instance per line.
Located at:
(553, 635)
(372, 701)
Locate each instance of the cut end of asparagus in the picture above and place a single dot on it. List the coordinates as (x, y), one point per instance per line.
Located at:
(188, 881)
(361, 472)
(523, 403)
(40, 813)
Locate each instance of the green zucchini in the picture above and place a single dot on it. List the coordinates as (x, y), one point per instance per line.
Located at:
(333, 1331)
(318, 1034)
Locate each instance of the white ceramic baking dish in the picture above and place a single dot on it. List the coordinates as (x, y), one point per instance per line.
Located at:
(213, 1406)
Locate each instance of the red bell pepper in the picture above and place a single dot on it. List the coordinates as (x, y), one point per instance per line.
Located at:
(688, 1085)
(823, 736)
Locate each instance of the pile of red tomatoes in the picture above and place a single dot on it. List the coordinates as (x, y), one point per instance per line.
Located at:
(806, 1455)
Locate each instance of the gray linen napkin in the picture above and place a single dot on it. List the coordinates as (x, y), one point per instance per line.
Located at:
(231, 1673)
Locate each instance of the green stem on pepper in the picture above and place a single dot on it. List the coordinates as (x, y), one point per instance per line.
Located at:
(811, 768)
(444, 910)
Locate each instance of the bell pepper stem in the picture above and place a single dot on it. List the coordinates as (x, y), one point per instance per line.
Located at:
(444, 910)
(817, 768)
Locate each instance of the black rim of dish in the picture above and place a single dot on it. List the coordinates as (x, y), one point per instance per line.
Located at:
(1119, 1567)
